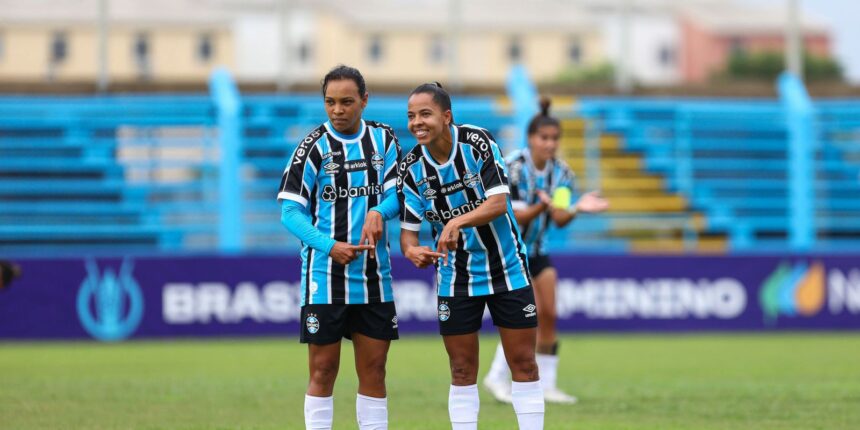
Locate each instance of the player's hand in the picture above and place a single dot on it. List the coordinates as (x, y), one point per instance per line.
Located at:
(422, 256)
(448, 239)
(592, 202)
(371, 233)
(545, 198)
(344, 253)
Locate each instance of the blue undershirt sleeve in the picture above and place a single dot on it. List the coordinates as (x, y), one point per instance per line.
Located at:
(295, 218)
(390, 205)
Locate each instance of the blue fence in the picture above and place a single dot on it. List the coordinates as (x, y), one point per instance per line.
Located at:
(146, 173)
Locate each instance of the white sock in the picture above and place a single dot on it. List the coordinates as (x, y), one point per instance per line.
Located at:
(463, 406)
(528, 404)
(499, 368)
(318, 412)
(371, 412)
(548, 369)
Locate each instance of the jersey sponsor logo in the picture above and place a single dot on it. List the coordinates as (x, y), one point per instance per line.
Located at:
(354, 166)
(304, 147)
(377, 161)
(312, 324)
(480, 143)
(425, 180)
(330, 193)
(331, 168)
(444, 215)
(331, 154)
(453, 187)
(444, 312)
(409, 159)
(530, 310)
(429, 194)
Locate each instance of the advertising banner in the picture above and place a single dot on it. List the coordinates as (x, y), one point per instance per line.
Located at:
(199, 296)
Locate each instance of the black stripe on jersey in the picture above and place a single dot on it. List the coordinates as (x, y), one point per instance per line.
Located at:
(485, 233)
(308, 276)
(461, 256)
(293, 179)
(374, 285)
(337, 277)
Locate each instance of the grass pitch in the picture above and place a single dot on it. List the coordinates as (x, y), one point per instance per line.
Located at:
(757, 381)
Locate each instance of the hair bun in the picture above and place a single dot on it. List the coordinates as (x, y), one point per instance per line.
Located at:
(544, 103)
(438, 84)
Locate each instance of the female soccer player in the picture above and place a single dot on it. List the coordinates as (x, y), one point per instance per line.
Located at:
(455, 179)
(337, 190)
(536, 174)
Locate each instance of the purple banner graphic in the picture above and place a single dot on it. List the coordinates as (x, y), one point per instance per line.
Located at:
(115, 299)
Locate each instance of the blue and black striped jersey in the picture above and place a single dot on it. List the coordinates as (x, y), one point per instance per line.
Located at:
(338, 179)
(526, 181)
(489, 259)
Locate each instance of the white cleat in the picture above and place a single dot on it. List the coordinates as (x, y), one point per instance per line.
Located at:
(501, 390)
(554, 395)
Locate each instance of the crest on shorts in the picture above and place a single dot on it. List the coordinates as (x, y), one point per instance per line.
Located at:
(444, 312)
(312, 323)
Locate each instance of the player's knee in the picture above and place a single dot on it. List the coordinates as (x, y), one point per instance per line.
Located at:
(524, 366)
(464, 371)
(324, 371)
(373, 370)
(547, 315)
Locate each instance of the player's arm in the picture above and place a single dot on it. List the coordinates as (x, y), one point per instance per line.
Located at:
(591, 202)
(495, 206)
(420, 256)
(527, 213)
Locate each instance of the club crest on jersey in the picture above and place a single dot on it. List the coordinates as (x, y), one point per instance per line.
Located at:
(377, 161)
(444, 312)
(530, 310)
(331, 168)
(470, 179)
(429, 194)
(312, 323)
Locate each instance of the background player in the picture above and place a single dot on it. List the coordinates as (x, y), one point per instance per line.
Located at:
(536, 174)
(338, 188)
(455, 179)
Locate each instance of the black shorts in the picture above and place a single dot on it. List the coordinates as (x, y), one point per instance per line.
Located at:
(538, 263)
(512, 309)
(324, 324)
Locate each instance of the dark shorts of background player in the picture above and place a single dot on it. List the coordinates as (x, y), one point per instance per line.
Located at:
(462, 315)
(325, 324)
(538, 263)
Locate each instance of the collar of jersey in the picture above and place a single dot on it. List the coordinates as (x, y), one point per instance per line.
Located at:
(454, 146)
(343, 137)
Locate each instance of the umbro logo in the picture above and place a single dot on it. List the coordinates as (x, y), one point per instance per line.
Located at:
(394, 320)
(530, 310)
(331, 168)
(430, 193)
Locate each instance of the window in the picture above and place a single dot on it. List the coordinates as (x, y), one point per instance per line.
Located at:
(574, 51)
(140, 51)
(205, 48)
(59, 47)
(437, 49)
(666, 56)
(515, 49)
(374, 50)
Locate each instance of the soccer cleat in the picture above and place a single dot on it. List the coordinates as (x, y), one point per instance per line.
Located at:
(501, 390)
(554, 395)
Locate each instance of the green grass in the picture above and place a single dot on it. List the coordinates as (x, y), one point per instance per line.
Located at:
(791, 381)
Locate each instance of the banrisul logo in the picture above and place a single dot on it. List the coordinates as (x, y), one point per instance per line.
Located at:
(110, 303)
(793, 290)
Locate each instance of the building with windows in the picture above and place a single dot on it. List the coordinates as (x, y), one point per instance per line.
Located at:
(155, 40)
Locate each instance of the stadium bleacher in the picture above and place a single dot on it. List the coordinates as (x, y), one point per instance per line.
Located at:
(140, 172)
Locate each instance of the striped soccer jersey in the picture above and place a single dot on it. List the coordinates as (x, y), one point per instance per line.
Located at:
(489, 259)
(338, 179)
(526, 181)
